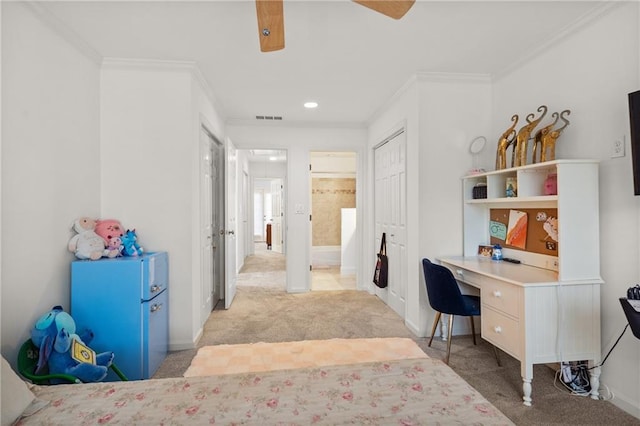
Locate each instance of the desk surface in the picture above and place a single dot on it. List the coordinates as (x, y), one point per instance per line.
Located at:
(518, 274)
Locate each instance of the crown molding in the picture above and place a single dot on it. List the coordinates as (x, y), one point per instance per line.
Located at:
(189, 67)
(429, 77)
(587, 18)
(147, 64)
(208, 91)
(397, 95)
(452, 77)
(60, 28)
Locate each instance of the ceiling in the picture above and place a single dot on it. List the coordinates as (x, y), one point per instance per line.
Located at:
(348, 58)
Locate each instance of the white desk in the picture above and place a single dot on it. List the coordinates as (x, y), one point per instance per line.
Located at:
(529, 314)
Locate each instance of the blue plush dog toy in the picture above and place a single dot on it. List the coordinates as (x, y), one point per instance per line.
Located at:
(130, 244)
(66, 352)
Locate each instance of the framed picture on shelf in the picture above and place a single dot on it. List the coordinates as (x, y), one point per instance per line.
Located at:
(485, 251)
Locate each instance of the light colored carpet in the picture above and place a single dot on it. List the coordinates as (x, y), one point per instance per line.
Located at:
(256, 357)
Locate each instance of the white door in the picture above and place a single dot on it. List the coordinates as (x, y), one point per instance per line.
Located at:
(246, 247)
(210, 276)
(277, 215)
(259, 218)
(391, 215)
(231, 195)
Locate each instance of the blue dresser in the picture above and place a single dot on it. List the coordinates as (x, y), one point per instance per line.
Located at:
(124, 301)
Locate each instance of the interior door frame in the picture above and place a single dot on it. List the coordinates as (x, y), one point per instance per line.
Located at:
(397, 278)
(230, 230)
(359, 216)
(219, 206)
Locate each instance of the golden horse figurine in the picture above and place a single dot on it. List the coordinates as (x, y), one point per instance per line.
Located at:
(507, 138)
(524, 134)
(537, 139)
(549, 140)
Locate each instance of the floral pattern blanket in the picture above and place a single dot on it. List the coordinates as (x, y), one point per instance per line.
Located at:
(403, 392)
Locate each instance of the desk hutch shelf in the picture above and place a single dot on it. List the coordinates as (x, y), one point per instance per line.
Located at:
(546, 309)
(578, 215)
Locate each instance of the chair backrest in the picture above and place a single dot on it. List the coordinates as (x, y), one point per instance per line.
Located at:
(442, 289)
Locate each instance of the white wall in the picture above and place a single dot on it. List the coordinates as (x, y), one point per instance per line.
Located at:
(50, 166)
(591, 72)
(349, 246)
(335, 165)
(298, 142)
(150, 114)
(268, 169)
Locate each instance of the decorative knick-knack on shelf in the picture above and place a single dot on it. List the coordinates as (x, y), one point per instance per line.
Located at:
(523, 136)
(551, 184)
(511, 189)
(549, 140)
(537, 139)
(544, 140)
(507, 139)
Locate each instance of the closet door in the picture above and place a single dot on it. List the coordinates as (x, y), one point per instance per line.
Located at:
(211, 205)
(391, 216)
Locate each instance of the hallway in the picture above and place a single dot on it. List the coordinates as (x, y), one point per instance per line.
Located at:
(267, 269)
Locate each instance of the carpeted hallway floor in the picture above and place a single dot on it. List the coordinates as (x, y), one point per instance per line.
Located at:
(271, 315)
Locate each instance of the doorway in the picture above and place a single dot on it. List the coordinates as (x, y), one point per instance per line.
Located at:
(212, 214)
(333, 220)
(264, 264)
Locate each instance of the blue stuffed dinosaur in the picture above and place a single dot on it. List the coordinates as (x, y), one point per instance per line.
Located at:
(130, 244)
(54, 334)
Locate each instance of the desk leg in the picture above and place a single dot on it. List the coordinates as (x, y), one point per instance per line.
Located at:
(526, 390)
(594, 382)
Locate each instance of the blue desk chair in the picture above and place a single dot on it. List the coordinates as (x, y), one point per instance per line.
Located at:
(445, 298)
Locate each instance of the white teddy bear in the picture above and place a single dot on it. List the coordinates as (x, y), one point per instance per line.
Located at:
(86, 244)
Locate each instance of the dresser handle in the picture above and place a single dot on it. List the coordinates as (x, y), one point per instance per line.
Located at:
(497, 293)
(155, 288)
(460, 272)
(155, 307)
(497, 329)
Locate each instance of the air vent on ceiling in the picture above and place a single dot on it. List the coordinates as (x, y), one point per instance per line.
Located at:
(268, 117)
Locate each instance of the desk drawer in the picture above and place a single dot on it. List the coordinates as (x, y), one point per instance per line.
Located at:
(502, 296)
(502, 331)
(465, 275)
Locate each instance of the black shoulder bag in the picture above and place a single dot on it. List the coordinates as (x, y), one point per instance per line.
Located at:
(382, 265)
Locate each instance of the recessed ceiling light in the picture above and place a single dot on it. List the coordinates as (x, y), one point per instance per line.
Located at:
(273, 158)
(310, 104)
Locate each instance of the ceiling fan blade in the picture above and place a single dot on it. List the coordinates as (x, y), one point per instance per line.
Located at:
(270, 24)
(395, 9)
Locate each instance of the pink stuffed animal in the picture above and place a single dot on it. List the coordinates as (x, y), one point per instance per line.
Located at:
(86, 244)
(108, 229)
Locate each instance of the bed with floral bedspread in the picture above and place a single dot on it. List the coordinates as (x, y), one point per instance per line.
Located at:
(403, 392)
